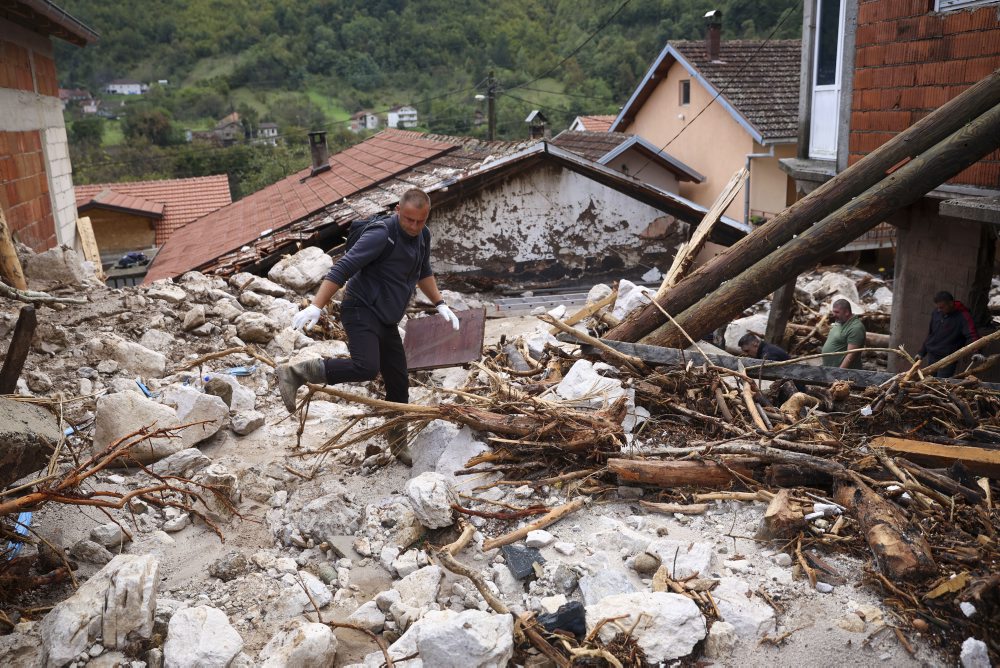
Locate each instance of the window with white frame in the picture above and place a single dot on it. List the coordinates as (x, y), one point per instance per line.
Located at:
(685, 92)
(952, 5)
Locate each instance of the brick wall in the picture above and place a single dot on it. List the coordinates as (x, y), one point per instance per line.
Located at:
(909, 60)
(22, 68)
(24, 196)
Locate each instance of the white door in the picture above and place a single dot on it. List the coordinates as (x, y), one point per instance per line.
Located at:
(826, 79)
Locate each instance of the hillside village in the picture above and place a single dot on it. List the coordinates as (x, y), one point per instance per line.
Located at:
(606, 463)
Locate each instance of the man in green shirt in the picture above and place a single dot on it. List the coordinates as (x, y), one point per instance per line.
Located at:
(847, 334)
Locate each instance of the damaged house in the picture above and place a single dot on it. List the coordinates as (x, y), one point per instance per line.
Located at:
(541, 211)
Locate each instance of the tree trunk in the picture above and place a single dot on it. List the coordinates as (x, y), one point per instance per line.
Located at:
(901, 551)
(830, 196)
(680, 473)
(901, 188)
(10, 265)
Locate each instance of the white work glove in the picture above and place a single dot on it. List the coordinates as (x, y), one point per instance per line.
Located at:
(306, 318)
(448, 315)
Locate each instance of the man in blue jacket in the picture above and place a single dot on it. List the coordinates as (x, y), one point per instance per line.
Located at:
(951, 329)
(380, 283)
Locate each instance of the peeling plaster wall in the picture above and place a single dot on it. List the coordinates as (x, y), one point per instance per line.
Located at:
(548, 222)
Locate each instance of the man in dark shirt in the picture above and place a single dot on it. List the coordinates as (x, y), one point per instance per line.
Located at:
(380, 284)
(752, 346)
(951, 329)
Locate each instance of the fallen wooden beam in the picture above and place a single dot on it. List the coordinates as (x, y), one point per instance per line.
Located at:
(17, 351)
(981, 460)
(681, 473)
(805, 373)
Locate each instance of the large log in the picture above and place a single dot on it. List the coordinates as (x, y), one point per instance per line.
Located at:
(901, 551)
(17, 351)
(681, 473)
(981, 460)
(826, 199)
(902, 188)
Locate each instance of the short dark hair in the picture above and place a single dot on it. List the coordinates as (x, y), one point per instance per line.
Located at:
(415, 196)
(747, 339)
(943, 297)
(844, 304)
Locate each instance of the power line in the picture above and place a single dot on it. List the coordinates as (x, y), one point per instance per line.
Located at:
(575, 95)
(723, 89)
(577, 50)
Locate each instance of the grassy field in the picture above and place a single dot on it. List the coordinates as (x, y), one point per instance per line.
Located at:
(113, 135)
(209, 68)
(330, 106)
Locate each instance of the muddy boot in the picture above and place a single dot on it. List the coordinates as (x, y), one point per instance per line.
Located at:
(293, 376)
(397, 437)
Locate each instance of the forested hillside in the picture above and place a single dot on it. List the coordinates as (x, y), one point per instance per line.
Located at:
(311, 63)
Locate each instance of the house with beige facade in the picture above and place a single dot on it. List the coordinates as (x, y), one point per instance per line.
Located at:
(718, 106)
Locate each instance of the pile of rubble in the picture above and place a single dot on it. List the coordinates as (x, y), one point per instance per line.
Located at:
(537, 526)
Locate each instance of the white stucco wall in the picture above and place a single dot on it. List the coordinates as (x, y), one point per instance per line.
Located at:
(547, 213)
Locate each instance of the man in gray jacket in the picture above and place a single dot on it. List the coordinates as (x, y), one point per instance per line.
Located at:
(381, 271)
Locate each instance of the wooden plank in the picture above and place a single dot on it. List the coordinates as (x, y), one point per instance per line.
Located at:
(10, 264)
(984, 461)
(17, 351)
(810, 375)
(689, 251)
(88, 241)
(431, 343)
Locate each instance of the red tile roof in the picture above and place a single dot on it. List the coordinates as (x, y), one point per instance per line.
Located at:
(596, 123)
(178, 201)
(374, 160)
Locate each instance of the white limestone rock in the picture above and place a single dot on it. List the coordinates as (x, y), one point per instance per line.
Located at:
(158, 340)
(974, 654)
(116, 604)
(539, 538)
(302, 271)
(669, 625)
(200, 636)
(132, 357)
(254, 327)
(598, 292)
(246, 423)
(368, 616)
(443, 448)
(431, 496)
(183, 463)
(833, 283)
(750, 617)
(244, 399)
(721, 640)
(194, 406)
(469, 639)
(756, 323)
(684, 557)
(167, 290)
(420, 588)
(300, 644)
(630, 297)
(123, 413)
(584, 386)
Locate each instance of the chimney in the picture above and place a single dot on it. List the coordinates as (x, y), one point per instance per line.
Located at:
(320, 153)
(713, 33)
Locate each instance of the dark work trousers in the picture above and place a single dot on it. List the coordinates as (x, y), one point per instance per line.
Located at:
(945, 371)
(375, 348)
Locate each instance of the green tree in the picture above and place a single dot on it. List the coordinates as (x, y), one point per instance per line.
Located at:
(87, 132)
(149, 124)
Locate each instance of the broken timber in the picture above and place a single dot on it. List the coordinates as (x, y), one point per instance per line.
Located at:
(805, 373)
(796, 219)
(981, 460)
(17, 351)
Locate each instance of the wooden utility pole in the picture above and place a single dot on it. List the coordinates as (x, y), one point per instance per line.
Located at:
(10, 265)
(491, 106)
(819, 204)
(903, 187)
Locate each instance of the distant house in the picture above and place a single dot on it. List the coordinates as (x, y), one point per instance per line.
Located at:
(37, 197)
(402, 117)
(591, 124)
(230, 130)
(90, 106)
(869, 71)
(268, 133)
(70, 95)
(141, 215)
(503, 211)
(126, 87)
(364, 120)
(719, 106)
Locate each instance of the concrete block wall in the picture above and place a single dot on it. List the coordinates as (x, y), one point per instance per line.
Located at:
(36, 182)
(910, 60)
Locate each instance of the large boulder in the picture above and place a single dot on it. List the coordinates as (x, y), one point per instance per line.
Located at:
(56, 267)
(200, 636)
(443, 448)
(302, 271)
(255, 327)
(300, 644)
(431, 496)
(133, 357)
(470, 639)
(123, 413)
(116, 604)
(420, 588)
(667, 626)
(27, 435)
(194, 406)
